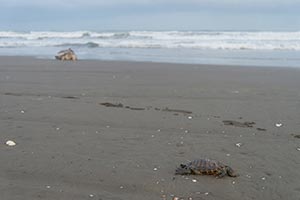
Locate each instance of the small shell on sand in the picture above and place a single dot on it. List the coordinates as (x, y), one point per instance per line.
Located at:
(278, 124)
(10, 143)
(238, 144)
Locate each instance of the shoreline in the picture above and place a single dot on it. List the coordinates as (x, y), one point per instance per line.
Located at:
(157, 63)
(118, 129)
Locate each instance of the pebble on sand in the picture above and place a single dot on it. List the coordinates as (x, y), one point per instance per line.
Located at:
(10, 143)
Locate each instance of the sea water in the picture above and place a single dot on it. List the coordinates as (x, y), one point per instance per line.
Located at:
(259, 48)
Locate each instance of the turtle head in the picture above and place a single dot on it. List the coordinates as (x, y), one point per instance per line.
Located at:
(231, 172)
(183, 170)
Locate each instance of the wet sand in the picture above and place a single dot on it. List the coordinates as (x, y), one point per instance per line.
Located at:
(109, 130)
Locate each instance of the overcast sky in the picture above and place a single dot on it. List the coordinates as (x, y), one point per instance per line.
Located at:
(67, 15)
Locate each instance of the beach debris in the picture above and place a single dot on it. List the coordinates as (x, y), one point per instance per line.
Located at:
(205, 167)
(48, 186)
(233, 182)
(228, 154)
(206, 193)
(91, 195)
(10, 143)
(175, 198)
(297, 136)
(278, 125)
(175, 110)
(194, 180)
(298, 148)
(67, 54)
(263, 178)
(261, 129)
(154, 169)
(134, 108)
(190, 117)
(238, 124)
(22, 111)
(70, 97)
(248, 176)
(238, 144)
(121, 187)
(115, 105)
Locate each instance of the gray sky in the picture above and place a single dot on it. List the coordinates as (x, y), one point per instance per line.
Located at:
(67, 15)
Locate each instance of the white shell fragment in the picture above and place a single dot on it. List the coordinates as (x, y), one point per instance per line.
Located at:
(194, 180)
(278, 125)
(10, 143)
(238, 144)
(190, 117)
(155, 169)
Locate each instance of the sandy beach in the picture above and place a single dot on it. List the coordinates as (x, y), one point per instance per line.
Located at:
(116, 130)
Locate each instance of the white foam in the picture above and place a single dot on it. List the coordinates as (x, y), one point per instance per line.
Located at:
(156, 39)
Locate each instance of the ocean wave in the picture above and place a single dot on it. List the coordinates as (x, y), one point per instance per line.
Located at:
(88, 44)
(155, 39)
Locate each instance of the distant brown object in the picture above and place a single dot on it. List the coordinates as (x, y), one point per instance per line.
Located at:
(67, 54)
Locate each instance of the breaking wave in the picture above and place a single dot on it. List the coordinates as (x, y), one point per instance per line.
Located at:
(155, 39)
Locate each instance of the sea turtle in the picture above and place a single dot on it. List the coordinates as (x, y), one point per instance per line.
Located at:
(205, 167)
(67, 54)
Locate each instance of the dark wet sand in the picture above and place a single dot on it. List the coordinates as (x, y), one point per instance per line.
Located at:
(72, 146)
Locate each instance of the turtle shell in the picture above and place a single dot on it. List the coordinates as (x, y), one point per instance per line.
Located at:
(201, 166)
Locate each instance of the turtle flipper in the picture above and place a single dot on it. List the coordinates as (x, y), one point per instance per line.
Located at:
(195, 171)
(230, 172)
(221, 174)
